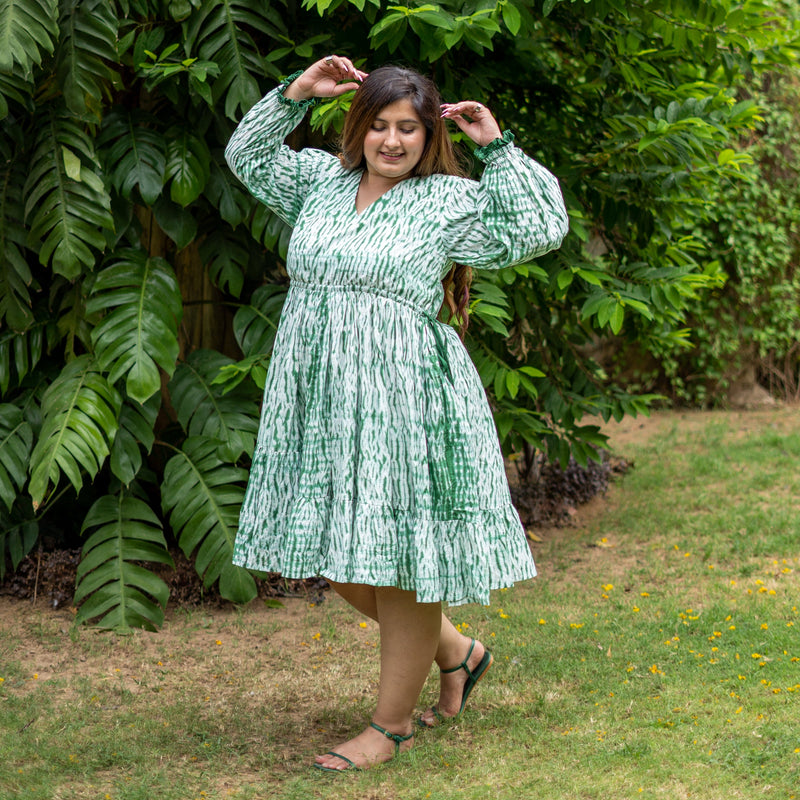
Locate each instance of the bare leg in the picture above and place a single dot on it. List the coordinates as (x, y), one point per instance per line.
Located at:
(409, 641)
(452, 650)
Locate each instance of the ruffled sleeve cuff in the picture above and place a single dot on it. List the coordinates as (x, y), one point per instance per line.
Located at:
(494, 150)
(294, 105)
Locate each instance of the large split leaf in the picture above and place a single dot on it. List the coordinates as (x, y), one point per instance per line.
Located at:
(203, 495)
(66, 203)
(16, 440)
(136, 431)
(140, 332)
(87, 45)
(110, 583)
(187, 169)
(27, 27)
(220, 32)
(202, 409)
(134, 152)
(80, 411)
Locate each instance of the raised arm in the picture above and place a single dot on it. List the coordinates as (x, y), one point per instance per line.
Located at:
(274, 173)
(516, 211)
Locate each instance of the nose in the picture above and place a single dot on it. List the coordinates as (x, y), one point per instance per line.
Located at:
(392, 137)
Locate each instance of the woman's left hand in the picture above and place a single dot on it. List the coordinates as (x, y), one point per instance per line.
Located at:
(474, 119)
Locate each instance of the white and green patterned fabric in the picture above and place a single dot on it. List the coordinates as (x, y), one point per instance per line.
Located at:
(377, 460)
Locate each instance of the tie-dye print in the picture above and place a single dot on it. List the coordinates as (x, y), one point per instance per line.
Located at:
(378, 461)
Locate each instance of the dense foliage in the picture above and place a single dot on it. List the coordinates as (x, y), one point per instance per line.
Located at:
(745, 333)
(140, 286)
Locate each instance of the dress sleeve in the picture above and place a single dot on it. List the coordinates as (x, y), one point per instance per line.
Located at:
(514, 213)
(274, 173)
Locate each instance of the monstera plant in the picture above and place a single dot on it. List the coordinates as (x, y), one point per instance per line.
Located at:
(141, 286)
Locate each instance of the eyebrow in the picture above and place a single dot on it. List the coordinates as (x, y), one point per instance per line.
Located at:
(400, 122)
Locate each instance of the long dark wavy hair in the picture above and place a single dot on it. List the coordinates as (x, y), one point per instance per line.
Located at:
(379, 89)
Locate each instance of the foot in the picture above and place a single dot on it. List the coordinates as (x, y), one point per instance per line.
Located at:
(451, 686)
(366, 750)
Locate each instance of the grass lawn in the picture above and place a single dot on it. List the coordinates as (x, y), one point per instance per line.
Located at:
(657, 655)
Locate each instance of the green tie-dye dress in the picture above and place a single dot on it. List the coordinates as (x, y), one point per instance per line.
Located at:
(377, 460)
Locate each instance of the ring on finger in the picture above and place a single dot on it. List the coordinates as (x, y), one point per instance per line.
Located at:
(329, 60)
(478, 107)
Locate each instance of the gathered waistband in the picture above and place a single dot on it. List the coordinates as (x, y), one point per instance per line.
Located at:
(353, 287)
(434, 325)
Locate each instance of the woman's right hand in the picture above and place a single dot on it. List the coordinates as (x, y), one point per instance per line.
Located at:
(322, 79)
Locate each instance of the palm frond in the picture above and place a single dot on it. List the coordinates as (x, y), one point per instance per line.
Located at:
(140, 331)
(220, 32)
(202, 496)
(65, 199)
(28, 27)
(134, 153)
(87, 44)
(80, 411)
(203, 411)
(16, 440)
(110, 584)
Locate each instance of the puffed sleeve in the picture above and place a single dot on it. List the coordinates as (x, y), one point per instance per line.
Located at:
(274, 173)
(514, 213)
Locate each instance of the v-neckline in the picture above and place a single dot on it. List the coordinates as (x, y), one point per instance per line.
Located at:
(354, 199)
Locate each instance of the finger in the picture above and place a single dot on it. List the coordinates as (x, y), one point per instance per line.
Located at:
(469, 108)
(343, 88)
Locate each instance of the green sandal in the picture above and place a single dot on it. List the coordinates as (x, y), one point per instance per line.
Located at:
(395, 737)
(473, 676)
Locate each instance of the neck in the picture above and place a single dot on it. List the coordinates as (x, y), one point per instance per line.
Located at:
(378, 183)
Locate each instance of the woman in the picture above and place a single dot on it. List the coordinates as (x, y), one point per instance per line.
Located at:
(378, 464)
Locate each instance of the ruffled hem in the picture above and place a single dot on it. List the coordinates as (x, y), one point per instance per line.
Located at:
(449, 560)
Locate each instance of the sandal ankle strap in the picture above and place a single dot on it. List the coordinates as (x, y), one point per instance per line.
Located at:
(395, 737)
(463, 664)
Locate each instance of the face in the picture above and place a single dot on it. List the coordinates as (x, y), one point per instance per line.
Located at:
(394, 144)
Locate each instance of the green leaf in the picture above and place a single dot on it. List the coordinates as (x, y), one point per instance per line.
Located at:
(19, 532)
(202, 409)
(66, 217)
(202, 496)
(80, 410)
(220, 31)
(139, 332)
(110, 583)
(136, 432)
(512, 18)
(187, 169)
(134, 153)
(26, 29)
(86, 47)
(178, 223)
(226, 259)
(16, 440)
